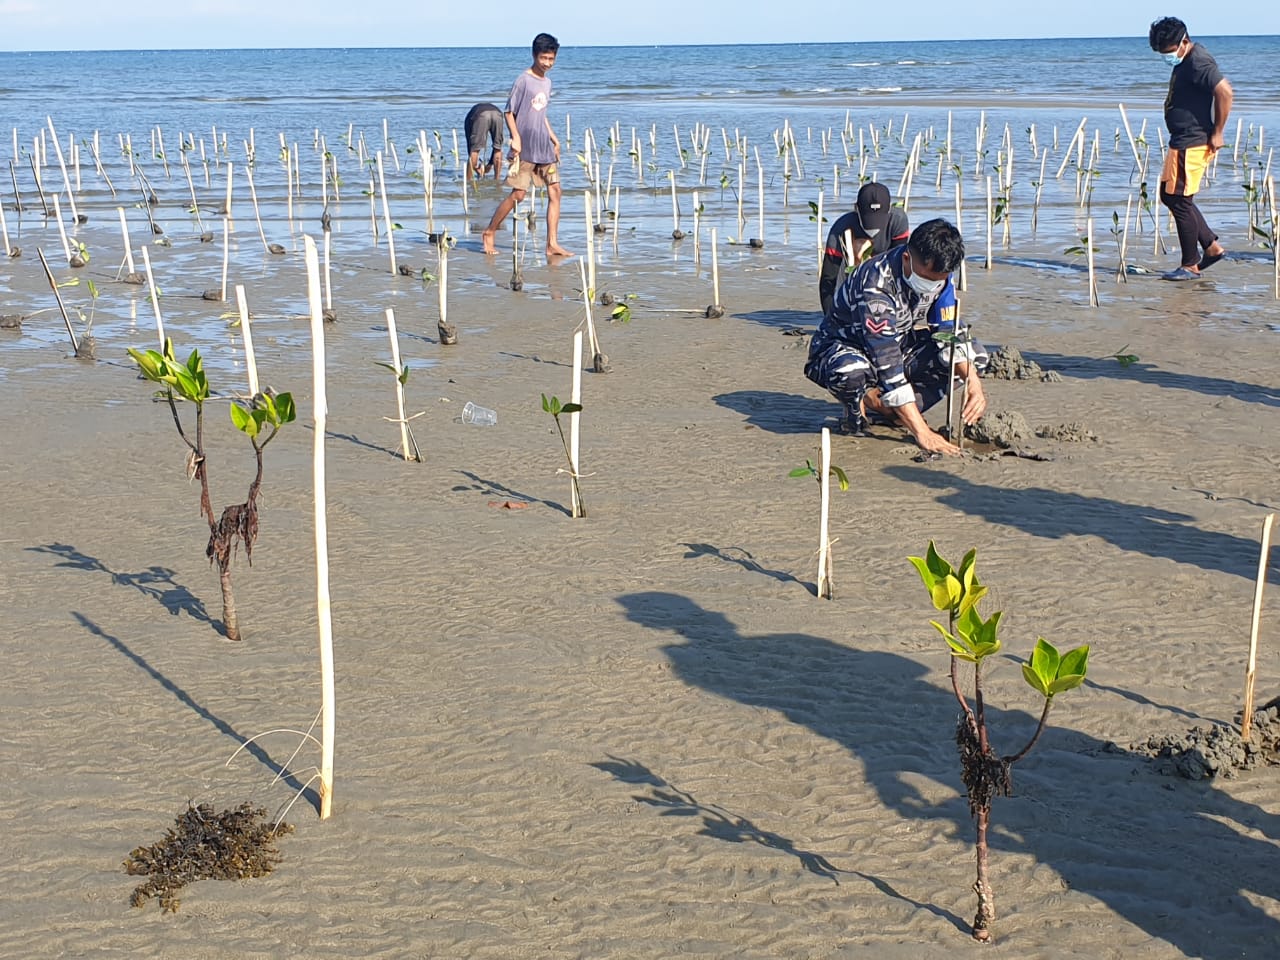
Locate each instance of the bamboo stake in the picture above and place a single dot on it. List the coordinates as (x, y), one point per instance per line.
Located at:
(1093, 283)
(990, 215)
(155, 297)
(1066, 155)
(226, 256)
(676, 232)
(589, 285)
(822, 237)
(62, 164)
(323, 613)
(715, 310)
(386, 215)
(132, 275)
(329, 313)
(575, 396)
(824, 542)
(405, 444)
(1133, 144)
(62, 232)
(759, 241)
(75, 344)
(250, 358)
(599, 362)
(448, 332)
(1246, 719)
(4, 231)
(964, 275)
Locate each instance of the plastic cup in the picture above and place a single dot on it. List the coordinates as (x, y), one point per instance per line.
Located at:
(478, 415)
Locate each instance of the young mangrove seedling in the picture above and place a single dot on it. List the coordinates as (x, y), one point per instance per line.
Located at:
(553, 406)
(260, 420)
(826, 560)
(971, 639)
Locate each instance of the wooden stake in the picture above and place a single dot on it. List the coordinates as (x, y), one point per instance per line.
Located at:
(405, 444)
(226, 255)
(250, 358)
(324, 616)
(716, 309)
(386, 216)
(1093, 283)
(155, 297)
(1246, 719)
(575, 396)
(824, 542)
(75, 344)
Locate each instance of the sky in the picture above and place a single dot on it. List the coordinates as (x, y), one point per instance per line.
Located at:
(187, 24)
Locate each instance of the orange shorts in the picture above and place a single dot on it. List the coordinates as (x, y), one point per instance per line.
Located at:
(1183, 169)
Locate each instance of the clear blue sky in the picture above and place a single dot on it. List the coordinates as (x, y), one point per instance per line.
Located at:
(163, 24)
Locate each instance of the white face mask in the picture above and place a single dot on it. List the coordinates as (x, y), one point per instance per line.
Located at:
(925, 288)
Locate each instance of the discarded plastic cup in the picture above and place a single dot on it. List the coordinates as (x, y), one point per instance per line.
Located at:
(478, 415)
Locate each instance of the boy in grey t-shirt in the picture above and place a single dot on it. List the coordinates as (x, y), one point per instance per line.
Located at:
(535, 151)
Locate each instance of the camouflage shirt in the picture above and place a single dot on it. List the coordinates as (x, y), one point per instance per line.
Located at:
(873, 310)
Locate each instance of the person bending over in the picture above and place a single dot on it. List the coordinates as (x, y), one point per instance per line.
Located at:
(484, 126)
(870, 353)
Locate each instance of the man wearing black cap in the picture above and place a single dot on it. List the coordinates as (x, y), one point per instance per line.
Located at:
(871, 227)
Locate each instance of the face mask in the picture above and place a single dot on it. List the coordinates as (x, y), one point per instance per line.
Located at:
(925, 288)
(1172, 59)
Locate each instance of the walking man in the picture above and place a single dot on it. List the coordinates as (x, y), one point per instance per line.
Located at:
(1195, 113)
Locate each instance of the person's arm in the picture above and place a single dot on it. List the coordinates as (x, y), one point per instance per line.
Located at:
(510, 117)
(555, 141)
(1223, 96)
(942, 318)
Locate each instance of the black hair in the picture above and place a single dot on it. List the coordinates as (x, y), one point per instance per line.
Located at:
(545, 43)
(938, 244)
(1165, 33)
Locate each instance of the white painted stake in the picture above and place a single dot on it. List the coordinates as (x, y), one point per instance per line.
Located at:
(250, 358)
(386, 215)
(62, 230)
(1250, 672)
(128, 250)
(395, 364)
(155, 298)
(575, 396)
(324, 616)
(824, 542)
(226, 253)
(715, 270)
(1093, 283)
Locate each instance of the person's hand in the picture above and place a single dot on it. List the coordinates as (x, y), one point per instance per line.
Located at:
(975, 402)
(515, 145)
(556, 147)
(1216, 142)
(931, 442)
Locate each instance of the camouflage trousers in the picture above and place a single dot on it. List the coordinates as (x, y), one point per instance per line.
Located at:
(847, 372)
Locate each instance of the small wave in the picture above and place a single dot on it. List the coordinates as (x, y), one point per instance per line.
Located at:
(879, 90)
(864, 63)
(823, 90)
(908, 63)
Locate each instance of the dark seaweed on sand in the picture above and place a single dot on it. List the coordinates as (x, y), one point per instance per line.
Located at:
(203, 845)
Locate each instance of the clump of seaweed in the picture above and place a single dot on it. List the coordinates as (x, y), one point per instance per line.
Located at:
(203, 845)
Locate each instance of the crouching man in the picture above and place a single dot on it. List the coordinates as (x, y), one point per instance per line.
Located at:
(875, 351)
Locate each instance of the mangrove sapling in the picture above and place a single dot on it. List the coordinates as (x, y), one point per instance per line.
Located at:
(267, 410)
(972, 639)
(553, 406)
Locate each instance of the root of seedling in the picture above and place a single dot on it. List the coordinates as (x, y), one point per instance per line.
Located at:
(239, 521)
(985, 776)
(203, 845)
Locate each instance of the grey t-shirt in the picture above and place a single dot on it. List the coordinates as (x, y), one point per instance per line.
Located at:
(528, 101)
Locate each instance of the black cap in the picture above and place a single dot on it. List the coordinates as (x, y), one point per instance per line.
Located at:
(873, 208)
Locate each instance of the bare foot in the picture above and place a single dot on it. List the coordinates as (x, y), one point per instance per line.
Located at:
(487, 239)
(555, 250)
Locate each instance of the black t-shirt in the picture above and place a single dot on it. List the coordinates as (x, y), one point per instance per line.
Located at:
(833, 259)
(1188, 107)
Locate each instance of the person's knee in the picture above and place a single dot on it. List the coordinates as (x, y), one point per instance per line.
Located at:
(517, 195)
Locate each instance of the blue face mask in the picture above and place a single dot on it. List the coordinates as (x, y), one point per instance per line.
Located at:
(1172, 59)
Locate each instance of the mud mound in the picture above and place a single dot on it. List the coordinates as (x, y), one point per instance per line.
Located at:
(1008, 363)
